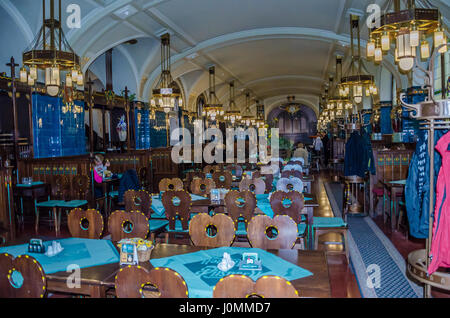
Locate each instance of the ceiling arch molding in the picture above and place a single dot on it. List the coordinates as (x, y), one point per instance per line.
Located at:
(18, 19)
(131, 63)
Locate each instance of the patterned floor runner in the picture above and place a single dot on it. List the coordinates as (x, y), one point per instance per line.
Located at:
(379, 268)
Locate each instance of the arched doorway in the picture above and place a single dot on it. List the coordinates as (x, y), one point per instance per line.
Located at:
(296, 122)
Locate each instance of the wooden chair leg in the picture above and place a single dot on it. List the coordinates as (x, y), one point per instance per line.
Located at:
(152, 236)
(36, 222)
(344, 232)
(166, 237)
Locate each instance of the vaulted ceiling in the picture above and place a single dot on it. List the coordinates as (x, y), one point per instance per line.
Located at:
(273, 48)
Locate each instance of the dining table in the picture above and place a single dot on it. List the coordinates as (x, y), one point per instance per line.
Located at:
(100, 264)
(396, 188)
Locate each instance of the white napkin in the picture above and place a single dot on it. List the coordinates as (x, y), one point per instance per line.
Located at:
(226, 264)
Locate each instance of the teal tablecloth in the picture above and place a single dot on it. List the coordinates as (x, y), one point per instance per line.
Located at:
(201, 274)
(21, 185)
(158, 207)
(402, 182)
(81, 252)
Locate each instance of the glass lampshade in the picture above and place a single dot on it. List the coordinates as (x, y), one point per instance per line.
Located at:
(385, 42)
(371, 49)
(23, 75)
(33, 72)
(425, 50)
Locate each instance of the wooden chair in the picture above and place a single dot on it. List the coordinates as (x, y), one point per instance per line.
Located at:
(215, 231)
(223, 179)
(177, 206)
(80, 185)
(85, 223)
(143, 177)
(202, 186)
(267, 178)
(291, 173)
(211, 169)
(241, 207)
(142, 201)
(342, 230)
(191, 175)
(292, 208)
(235, 170)
(240, 286)
(139, 282)
(34, 283)
(261, 228)
(122, 224)
(291, 204)
(255, 185)
(138, 201)
(174, 184)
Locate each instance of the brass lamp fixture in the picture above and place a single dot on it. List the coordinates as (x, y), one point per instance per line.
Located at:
(166, 94)
(232, 115)
(51, 53)
(408, 29)
(334, 100)
(356, 84)
(213, 109)
(260, 115)
(247, 117)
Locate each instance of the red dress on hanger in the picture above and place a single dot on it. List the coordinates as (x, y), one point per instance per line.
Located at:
(440, 243)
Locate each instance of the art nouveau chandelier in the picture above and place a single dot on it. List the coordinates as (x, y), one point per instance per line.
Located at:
(247, 117)
(356, 84)
(407, 29)
(232, 115)
(166, 93)
(51, 53)
(260, 115)
(336, 104)
(213, 109)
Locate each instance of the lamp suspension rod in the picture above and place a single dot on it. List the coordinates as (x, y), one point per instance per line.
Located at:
(43, 24)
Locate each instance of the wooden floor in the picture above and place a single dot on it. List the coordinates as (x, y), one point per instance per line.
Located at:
(342, 280)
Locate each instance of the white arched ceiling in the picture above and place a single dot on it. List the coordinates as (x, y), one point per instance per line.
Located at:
(271, 48)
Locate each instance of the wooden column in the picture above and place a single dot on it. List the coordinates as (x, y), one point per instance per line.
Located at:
(127, 111)
(443, 78)
(30, 118)
(109, 78)
(13, 66)
(104, 127)
(91, 121)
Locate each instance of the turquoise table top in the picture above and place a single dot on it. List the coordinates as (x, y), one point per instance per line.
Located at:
(77, 251)
(401, 182)
(201, 274)
(21, 185)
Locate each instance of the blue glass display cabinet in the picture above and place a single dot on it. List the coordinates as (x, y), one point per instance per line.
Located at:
(58, 128)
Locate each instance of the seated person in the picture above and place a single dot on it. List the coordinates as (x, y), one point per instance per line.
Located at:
(301, 152)
(100, 171)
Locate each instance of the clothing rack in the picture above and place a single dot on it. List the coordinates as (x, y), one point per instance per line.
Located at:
(434, 115)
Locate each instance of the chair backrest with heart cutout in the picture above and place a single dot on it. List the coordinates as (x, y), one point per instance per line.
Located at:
(208, 231)
(80, 186)
(267, 177)
(21, 277)
(277, 233)
(61, 187)
(291, 173)
(174, 184)
(211, 169)
(290, 184)
(235, 170)
(85, 223)
(202, 186)
(131, 282)
(138, 201)
(122, 224)
(255, 185)
(177, 205)
(288, 203)
(223, 179)
(241, 286)
(240, 204)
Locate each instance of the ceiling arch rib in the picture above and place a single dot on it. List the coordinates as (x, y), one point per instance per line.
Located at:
(251, 35)
(18, 19)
